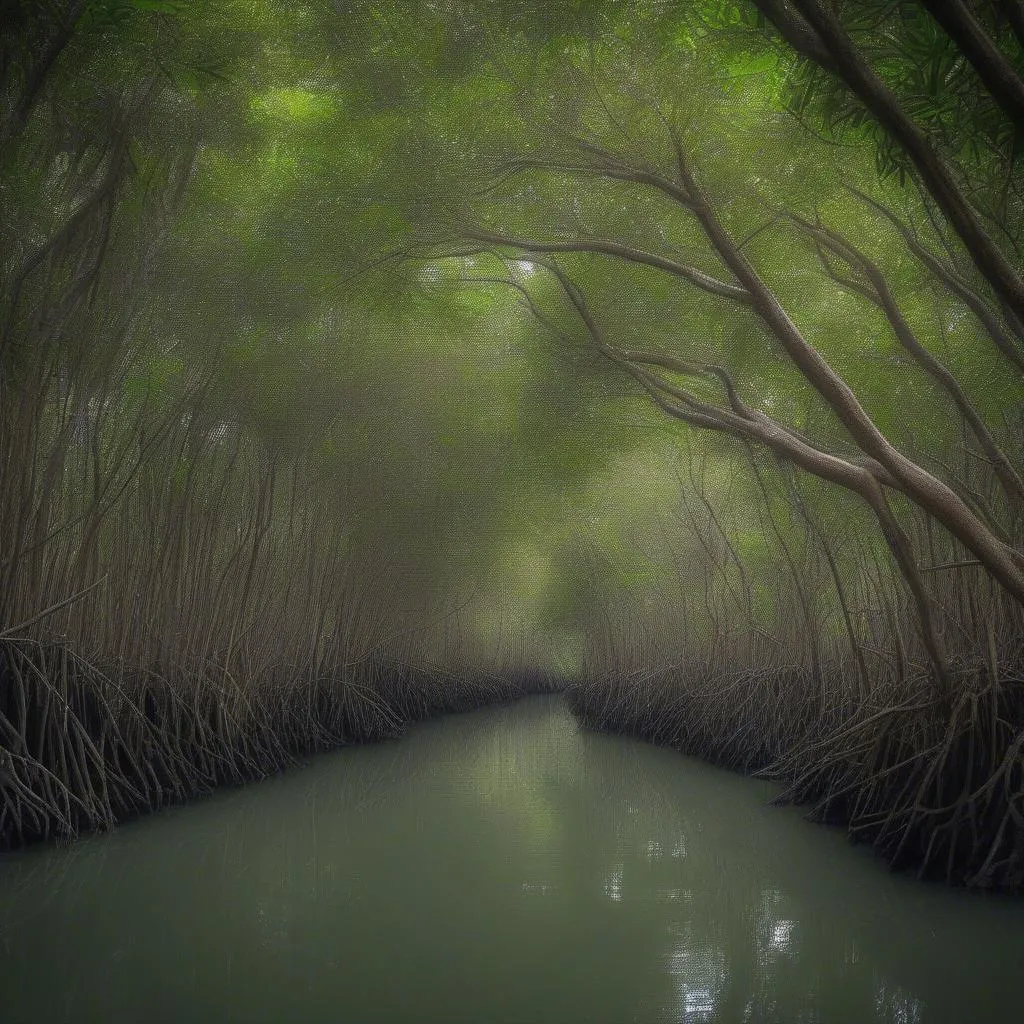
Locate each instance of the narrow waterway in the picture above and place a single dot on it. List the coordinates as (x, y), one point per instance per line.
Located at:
(495, 867)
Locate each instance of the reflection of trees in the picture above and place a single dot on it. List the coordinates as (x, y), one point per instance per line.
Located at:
(499, 866)
(748, 917)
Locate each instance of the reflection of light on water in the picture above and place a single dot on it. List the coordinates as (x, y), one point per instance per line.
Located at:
(672, 895)
(782, 936)
(897, 1006)
(775, 934)
(613, 886)
(700, 973)
(698, 1003)
(655, 849)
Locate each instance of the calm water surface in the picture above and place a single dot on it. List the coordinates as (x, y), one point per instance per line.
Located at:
(496, 867)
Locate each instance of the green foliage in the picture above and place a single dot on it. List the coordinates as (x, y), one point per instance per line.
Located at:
(279, 251)
(936, 86)
(104, 14)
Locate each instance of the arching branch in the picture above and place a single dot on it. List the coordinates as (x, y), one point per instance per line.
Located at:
(752, 425)
(878, 292)
(607, 247)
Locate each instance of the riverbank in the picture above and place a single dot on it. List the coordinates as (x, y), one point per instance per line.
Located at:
(83, 748)
(934, 786)
(504, 866)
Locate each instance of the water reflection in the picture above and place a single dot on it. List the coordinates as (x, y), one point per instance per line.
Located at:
(498, 867)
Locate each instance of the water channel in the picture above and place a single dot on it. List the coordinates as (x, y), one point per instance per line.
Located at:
(499, 867)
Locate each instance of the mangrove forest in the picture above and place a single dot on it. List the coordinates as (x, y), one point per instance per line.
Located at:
(556, 449)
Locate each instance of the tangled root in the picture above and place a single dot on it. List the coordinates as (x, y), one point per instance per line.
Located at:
(84, 749)
(933, 785)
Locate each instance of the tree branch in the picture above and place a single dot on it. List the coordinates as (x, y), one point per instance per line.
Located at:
(953, 282)
(607, 247)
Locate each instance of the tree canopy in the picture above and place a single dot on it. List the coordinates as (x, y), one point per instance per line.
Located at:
(577, 334)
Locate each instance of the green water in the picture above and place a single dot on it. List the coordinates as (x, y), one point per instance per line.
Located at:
(501, 866)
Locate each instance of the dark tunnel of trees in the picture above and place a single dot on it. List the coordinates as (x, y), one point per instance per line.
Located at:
(360, 361)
